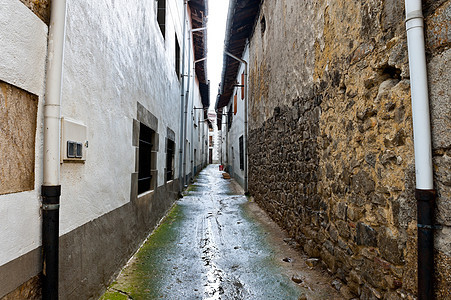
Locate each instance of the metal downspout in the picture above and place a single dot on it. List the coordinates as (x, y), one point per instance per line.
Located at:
(51, 188)
(245, 119)
(192, 113)
(192, 138)
(424, 193)
(182, 98)
(187, 99)
(186, 109)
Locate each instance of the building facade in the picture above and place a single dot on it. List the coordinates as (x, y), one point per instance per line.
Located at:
(214, 140)
(233, 127)
(124, 131)
(331, 148)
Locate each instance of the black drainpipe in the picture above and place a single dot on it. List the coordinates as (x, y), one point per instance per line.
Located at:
(50, 234)
(425, 218)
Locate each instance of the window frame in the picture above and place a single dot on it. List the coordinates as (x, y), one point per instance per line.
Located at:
(161, 16)
(241, 149)
(170, 160)
(145, 162)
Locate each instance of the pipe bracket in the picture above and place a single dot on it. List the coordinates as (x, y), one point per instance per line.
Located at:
(429, 226)
(50, 206)
(415, 14)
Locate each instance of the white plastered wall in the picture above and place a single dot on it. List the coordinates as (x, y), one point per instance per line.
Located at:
(23, 48)
(237, 128)
(115, 55)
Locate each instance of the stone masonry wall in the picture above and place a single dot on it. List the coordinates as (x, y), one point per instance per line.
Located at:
(40, 7)
(331, 155)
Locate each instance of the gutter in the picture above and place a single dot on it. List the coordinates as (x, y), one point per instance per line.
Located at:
(245, 117)
(424, 192)
(51, 188)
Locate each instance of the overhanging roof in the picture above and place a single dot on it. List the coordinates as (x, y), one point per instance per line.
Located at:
(240, 24)
(199, 12)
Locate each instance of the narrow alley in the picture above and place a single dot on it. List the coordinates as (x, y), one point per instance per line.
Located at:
(215, 244)
(120, 118)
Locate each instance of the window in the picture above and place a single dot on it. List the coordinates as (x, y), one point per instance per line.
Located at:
(177, 57)
(211, 140)
(161, 15)
(241, 153)
(146, 136)
(170, 150)
(229, 116)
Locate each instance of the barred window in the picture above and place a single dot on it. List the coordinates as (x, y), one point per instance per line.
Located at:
(146, 136)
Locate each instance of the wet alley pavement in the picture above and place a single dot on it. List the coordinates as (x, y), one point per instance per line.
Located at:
(215, 244)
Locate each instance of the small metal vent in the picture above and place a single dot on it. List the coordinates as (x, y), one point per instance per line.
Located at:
(74, 150)
(79, 153)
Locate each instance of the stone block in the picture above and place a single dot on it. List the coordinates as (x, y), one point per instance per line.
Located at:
(333, 233)
(362, 182)
(393, 282)
(344, 246)
(341, 212)
(369, 293)
(443, 240)
(396, 139)
(370, 159)
(439, 79)
(443, 275)
(311, 249)
(30, 290)
(342, 258)
(409, 273)
(404, 209)
(329, 246)
(437, 33)
(373, 274)
(343, 229)
(392, 15)
(355, 213)
(391, 247)
(378, 199)
(357, 200)
(442, 176)
(366, 235)
(329, 259)
(41, 8)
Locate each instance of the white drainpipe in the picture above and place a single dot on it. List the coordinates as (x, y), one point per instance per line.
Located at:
(424, 193)
(419, 91)
(182, 100)
(187, 99)
(186, 110)
(52, 112)
(192, 113)
(51, 189)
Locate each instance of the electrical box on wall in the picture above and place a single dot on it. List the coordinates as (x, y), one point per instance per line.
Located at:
(74, 144)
